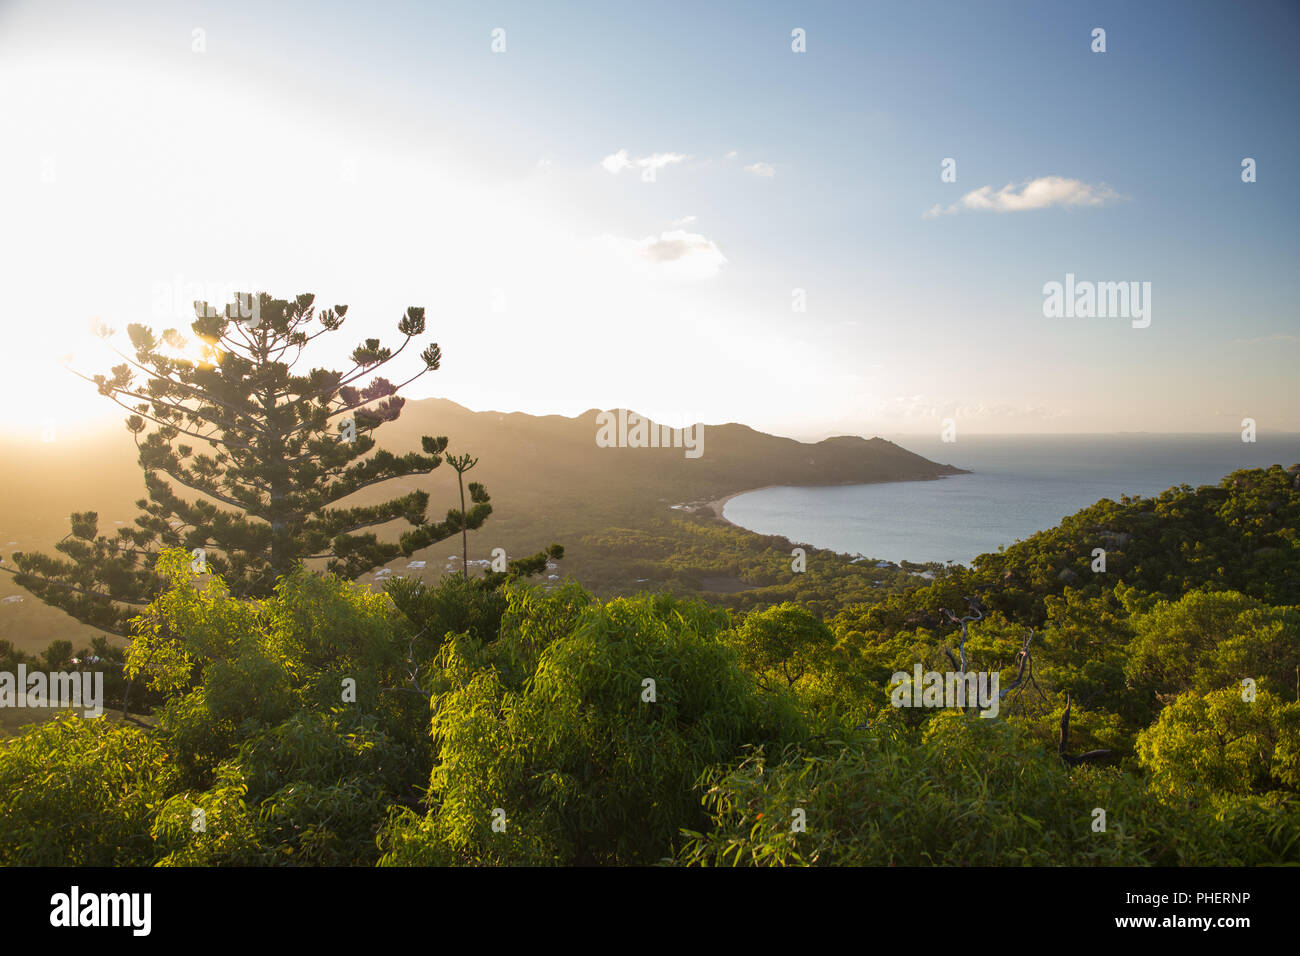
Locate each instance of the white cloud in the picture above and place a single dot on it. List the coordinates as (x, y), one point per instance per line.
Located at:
(731, 155)
(1038, 193)
(615, 163)
(674, 252)
(762, 170)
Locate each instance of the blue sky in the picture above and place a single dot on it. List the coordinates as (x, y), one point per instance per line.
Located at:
(383, 155)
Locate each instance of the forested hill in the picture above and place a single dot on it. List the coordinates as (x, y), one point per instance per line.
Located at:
(526, 461)
(557, 456)
(549, 480)
(536, 456)
(1241, 535)
(1160, 690)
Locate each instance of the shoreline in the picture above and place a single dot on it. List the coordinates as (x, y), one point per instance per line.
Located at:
(718, 504)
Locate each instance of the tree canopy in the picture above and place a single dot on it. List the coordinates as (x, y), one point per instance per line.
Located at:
(248, 458)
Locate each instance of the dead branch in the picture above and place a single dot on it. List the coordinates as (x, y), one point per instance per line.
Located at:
(1075, 759)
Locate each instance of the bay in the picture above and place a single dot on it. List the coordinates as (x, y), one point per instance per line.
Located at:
(1019, 485)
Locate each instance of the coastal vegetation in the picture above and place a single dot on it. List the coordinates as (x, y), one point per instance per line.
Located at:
(662, 688)
(511, 721)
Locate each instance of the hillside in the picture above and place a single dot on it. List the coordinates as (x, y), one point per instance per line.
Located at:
(1160, 690)
(548, 478)
(557, 458)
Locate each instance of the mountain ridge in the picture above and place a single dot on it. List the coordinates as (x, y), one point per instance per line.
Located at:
(549, 480)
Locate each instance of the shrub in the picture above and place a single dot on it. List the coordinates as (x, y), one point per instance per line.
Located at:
(79, 792)
(587, 769)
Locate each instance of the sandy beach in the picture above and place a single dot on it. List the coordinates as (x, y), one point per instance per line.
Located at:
(718, 504)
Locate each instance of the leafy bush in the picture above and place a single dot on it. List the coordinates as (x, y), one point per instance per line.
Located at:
(965, 791)
(328, 725)
(306, 792)
(1221, 744)
(1205, 640)
(588, 768)
(78, 792)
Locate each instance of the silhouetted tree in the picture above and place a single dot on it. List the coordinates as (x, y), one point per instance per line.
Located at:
(263, 455)
(463, 464)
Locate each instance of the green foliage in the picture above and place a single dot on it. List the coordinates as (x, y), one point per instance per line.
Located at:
(1241, 535)
(289, 764)
(1208, 639)
(1084, 650)
(309, 791)
(323, 724)
(78, 792)
(1218, 743)
(969, 792)
(263, 454)
(455, 605)
(524, 567)
(784, 644)
(700, 555)
(586, 767)
(229, 833)
(966, 791)
(787, 648)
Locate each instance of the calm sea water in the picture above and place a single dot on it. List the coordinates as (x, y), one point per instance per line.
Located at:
(1020, 484)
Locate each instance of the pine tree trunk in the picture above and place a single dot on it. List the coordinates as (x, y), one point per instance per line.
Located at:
(464, 535)
(277, 477)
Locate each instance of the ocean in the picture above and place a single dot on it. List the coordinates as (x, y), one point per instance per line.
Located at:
(1020, 484)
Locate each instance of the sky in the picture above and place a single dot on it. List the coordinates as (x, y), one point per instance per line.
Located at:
(666, 207)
